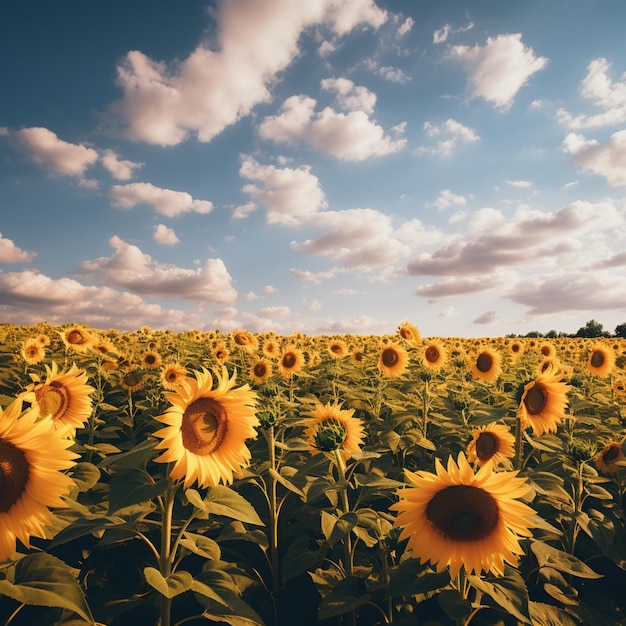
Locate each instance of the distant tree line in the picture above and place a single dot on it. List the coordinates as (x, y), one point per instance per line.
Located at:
(591, 329)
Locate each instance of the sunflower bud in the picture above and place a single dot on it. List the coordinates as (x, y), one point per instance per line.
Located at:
(330, 435)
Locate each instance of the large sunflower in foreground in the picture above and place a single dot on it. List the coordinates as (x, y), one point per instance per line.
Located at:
(544, 402)
(493, 442)
(64, 397)
(33, 456)
(207, 429)
(329, 427)
(456, 518)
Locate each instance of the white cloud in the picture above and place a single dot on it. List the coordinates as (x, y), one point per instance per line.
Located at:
(351, 97)
(289, 195)
(273, 312)
(522, 184)
(406, 26)
(164, 201)
(447, 199)
(607, 160)
(448, 312)
(606, 94)
(528, 238)
(212, 89)
(10, 253)
(130, 268)
(451, 133)
(47, 150)
(486, 318)
(441, 34)
(393, 74)
(243, 210)
(118, 168)
(29, 297)
(499, 69)
(351, 136)
(165, 235)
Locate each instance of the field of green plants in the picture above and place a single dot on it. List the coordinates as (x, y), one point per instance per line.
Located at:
(161, 478)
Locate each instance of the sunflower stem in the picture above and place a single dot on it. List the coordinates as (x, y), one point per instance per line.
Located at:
(519, 448)
(166, 558)
(273, 509)
(345, 506)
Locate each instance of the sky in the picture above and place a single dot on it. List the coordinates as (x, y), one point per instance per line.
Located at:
(323, 167)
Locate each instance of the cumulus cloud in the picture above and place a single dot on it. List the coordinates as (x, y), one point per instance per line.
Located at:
(570, 291)
(603, 92)
(499, 69)
(461, 285)
(406, 26)
(212, 89)
(10, 253)
(165, 235)
(493, 241)
(447, 199)
(164, 201)
(449, 135)
(521, 184)
(48, 151)
(29, 297)
(486, 318)
(607, 160)
(120, 169)
(350, 136)
(289, 195)
(130, 268)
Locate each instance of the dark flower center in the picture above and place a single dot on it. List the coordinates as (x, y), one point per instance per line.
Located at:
(260, 369)
(150, 359)
(289, 360)
(515, 347)
(132, 378)
(536, 399)
(463, 513)
(75, 337)
(13, 475)
(432, 354)
(203, 426)
(597, 358)
(545, 350)
(390, 357)
(486, 446)
(612, 453)
(484, 362)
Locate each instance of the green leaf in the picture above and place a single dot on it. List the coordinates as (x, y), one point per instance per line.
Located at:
(454, 605)
(137, 457)
(335, 529)
(412, 578)
(45, 580)
(85, 475)
(170, 587)
(201, 545)
(133, 486)
(286, 483)
(346, 595)
(509, 593)
(220, 500)
(562, 561)
(82, 527)
(299, 559)
(547, 615)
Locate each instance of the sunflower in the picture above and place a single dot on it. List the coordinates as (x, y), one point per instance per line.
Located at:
(207, 429)
(600, 361)
(456, 518)
(486, 365)
(64, 397)
(337, 348)
(76, 338)
(261, 371)
(33, 456)
(173, 375)
(271, 348)
(547, 350)
(246, 340)
(33, 351)
(132, 379)
(329, 427)
(434, 355)
(516, 348)
(409, 333)
(393, 360)
(290, 362)
(221, 354)
(493, 442)
(151, 360)
(619, 386)
(544, 402)
(611, 458)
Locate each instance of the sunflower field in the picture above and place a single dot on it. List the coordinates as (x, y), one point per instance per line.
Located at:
(161, 478)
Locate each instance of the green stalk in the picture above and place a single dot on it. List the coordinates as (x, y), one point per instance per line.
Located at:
(166, 558)
(273, 509)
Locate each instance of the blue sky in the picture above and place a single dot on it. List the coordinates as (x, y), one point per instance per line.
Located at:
(334, 166)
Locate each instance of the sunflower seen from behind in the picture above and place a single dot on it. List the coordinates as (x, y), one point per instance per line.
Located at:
(456, 518)
(328, 427)
(543, 403)
(207, 428)
(33, 458)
